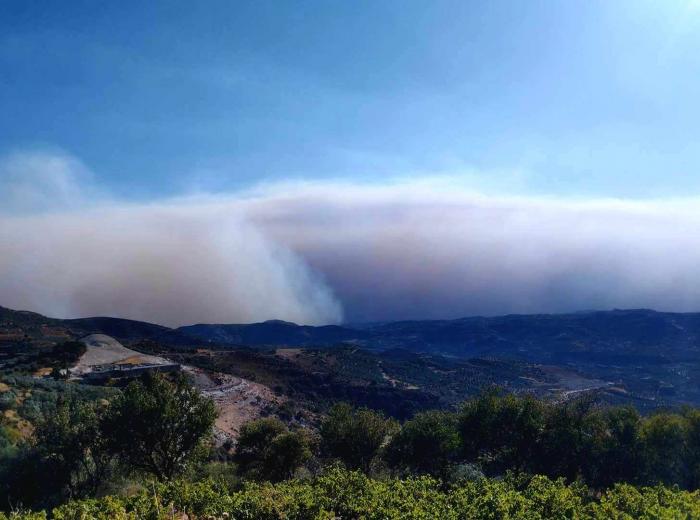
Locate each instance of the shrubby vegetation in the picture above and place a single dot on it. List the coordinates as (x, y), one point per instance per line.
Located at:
(397, 382)
(497, 432)
(355, 436)
(146, 451)
(346, 494)
(25, 357)
(577, 439)
(268, 451)
(155, 427)
(427, 444)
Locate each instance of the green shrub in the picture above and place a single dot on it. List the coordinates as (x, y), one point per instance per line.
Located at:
(625, 501)
(352, 495)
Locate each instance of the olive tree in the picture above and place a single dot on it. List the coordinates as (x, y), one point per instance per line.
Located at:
(158, 425)
(355, 436)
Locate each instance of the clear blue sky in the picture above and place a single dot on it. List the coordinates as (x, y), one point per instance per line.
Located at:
(582, 98)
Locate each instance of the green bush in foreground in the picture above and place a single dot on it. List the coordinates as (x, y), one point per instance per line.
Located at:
(352, 495)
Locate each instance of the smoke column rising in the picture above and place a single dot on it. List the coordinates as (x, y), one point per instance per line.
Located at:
(170, 265)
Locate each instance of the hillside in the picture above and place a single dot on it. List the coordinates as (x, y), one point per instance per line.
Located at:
(35, 329)
(274, 332)
(619, 336)
(648, 358)
(271, 402)
(623, 337)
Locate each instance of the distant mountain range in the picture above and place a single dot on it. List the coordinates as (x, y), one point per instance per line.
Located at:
(612, 337)
(648, 358)
(618, 336)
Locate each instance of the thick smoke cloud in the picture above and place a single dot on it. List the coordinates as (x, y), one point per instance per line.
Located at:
(328, 252)
(412, 251)
(170, 265)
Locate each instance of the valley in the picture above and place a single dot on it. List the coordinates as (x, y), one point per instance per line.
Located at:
(648, 359)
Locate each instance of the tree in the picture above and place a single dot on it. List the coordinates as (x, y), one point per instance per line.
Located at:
(158, 425)
(355, 436)
(501, 430)
(692, 418)
(570, 440)
(267, 450)
(72, 447)
(67, 353)
(425, 444)
(663, 449)
(618, 455)
(65, 458)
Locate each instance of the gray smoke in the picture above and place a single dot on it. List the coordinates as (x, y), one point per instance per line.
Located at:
(169, 265)
(323, 252)
(415, 250)
(67, 250)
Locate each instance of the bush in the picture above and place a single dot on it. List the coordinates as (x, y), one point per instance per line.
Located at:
(267, 450)
(346, 494)
(158, 426)
(428, 443)
(501, 431)
(355, 436)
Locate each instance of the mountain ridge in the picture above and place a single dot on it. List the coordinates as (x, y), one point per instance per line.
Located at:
(621, 333)
(647, 357)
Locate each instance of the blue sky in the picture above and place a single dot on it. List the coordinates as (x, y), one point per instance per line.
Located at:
(458, 158)
(577, 98)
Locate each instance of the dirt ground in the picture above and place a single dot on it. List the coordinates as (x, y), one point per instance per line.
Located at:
(237, 400)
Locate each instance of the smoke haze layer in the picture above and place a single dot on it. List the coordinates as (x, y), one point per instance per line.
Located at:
(407, 252)
(327, 252)
(170, 265)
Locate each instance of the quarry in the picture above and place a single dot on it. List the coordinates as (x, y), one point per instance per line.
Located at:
(106, 358)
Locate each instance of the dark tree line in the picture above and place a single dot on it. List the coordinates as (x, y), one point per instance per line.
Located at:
(499, 432)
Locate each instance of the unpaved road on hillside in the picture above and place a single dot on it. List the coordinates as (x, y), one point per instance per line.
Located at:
(237, 400)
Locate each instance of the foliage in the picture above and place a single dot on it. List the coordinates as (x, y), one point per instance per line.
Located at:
(692, 455)
(346, 494)
(568, 441)
(23, 515)
(72, 447)
(397, 382)
(664, 446)
(34, 398)
(617, 455)
(64, 354)
(66, 457)
(425, 444)
(79, 440)
(355, 436)
(267, 450)
(579, 440)
(158, 426)
(501, 431)
(592, 462)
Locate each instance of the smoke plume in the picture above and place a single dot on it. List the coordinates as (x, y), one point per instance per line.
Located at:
(325, 252)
